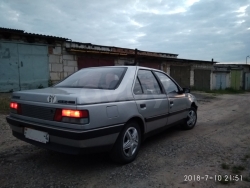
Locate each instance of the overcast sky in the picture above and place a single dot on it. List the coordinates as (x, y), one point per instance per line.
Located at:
(194, 29)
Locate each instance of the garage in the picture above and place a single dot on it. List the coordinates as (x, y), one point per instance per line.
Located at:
(23, 66)
(202, 79)
(181, 74)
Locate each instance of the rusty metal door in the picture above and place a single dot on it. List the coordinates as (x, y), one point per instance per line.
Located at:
(202, 79)
(154, 65)
(84, 62)
(164, 67)
(181, 74)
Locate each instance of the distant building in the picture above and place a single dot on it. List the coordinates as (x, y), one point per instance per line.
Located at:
(29, 60)
(235, 76)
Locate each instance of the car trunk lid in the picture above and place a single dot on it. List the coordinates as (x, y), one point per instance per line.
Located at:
(49, 95)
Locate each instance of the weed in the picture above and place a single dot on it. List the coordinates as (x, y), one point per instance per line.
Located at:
(4, 105)
(247, 156)
(40, 86)
(237, 169)
(50, 83)
(223, 91)
(225, 166)
(246, 179)
(224, 181)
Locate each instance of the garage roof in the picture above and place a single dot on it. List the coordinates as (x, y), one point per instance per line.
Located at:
(8, 31)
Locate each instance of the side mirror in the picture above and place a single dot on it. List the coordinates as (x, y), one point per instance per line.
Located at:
(186, 90)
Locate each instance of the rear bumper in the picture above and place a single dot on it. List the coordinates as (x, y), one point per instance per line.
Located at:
(67, 140)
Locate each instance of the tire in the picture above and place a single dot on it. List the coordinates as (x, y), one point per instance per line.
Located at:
(131, 137)
(191, 119)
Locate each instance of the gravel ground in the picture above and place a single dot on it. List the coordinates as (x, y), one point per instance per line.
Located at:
(222, 135)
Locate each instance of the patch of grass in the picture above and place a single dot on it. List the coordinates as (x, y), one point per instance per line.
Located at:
(246, 179)
(225, 91)
(225, 166)
(40, 86)
(4, 105)
(50, 83)
(237, 169)
(247, 156)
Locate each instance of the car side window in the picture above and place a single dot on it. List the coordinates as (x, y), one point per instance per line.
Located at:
(148, 82)
(137, 87)
(168, 84)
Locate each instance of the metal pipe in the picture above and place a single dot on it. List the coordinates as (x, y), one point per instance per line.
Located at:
(246, 58)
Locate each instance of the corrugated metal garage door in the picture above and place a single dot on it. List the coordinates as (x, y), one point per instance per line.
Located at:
(84, 62)
(235, 79)
(202, 79)
(221, 80)
(181, 74)
(23, 66)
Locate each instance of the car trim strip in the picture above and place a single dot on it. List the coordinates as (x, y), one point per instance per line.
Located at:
(117, 101)
(154, 118)
(71, 134)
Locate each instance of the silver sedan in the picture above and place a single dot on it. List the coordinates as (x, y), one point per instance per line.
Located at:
(102, 109)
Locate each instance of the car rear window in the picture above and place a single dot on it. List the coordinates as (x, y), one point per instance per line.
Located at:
(95, 78)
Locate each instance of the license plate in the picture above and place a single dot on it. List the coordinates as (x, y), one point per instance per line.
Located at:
(36, 135)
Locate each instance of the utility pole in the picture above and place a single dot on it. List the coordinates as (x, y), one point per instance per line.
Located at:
(246, 58)
(135, 60)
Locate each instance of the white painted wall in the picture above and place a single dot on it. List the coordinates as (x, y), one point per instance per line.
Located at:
(192, 76)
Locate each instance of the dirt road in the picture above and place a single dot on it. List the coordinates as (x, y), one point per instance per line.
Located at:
(218, 145)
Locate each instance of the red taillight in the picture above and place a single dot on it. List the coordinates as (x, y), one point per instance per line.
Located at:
(75, 113)
(72, 116)
(13, 105)
(15, 108)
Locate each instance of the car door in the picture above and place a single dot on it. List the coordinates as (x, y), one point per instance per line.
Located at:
(152, 102)
(177, 100)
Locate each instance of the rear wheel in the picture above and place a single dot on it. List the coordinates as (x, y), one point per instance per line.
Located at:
(191, 119)
(127, 145)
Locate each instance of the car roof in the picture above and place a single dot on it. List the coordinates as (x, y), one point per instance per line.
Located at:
(128, 66)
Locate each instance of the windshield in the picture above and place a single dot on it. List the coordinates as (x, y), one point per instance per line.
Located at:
(95, 78)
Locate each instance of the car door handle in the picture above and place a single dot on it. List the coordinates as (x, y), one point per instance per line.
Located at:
(171, 103)
(143, 105)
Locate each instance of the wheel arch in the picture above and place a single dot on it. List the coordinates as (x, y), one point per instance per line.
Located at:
(140, 122)
(194, 105)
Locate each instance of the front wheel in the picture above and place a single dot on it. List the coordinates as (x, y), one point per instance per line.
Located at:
(191, 119)
(127, 145)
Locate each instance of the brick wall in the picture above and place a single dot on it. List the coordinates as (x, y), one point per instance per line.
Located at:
(61, 63)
